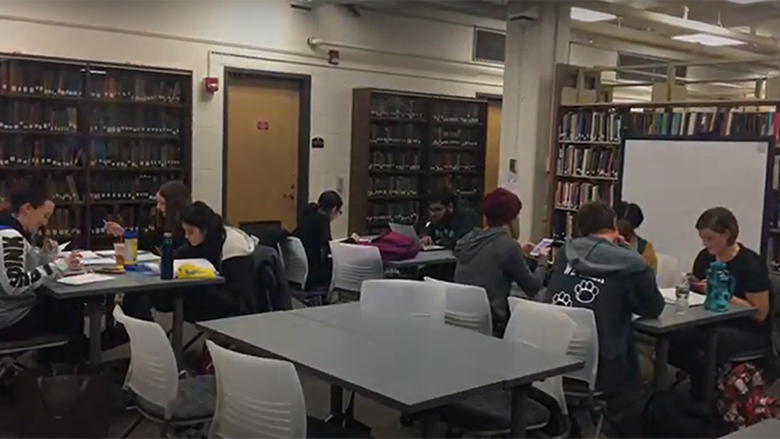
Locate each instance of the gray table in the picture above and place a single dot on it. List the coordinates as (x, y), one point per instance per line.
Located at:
(433, 257)
(669, 322)
(426, 365)
(763, 430)
(128, 283)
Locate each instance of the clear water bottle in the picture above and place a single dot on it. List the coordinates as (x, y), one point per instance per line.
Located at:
(681, 292)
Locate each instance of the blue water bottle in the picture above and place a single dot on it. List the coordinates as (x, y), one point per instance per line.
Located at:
(166, 258)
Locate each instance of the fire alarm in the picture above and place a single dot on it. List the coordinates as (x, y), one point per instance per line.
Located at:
(211, 84)
(333, 57)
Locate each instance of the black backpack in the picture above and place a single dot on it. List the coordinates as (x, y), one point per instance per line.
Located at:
(672, 414)
(272, 291)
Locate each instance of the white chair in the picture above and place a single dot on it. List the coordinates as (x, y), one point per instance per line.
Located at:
(668, 271)
(548, 328)
(353, 264)
(256, 397)
(154, 378)
(467, 306)
(404, 297)
(295, 262)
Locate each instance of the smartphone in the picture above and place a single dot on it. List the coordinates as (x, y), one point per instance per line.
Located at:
(541, 246)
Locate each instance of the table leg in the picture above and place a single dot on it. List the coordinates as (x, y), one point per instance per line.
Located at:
(519, 404)
(426, 426)
(336, 403)
(94, 313)
(661, 363)
(710, 368)
(177, 332)
(110, 304)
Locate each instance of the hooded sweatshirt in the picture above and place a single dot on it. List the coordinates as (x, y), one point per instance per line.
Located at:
(23, 268)
(492, 259)
(615, 282)
(450, 230)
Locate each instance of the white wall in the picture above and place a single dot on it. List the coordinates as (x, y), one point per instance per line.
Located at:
(263, 35)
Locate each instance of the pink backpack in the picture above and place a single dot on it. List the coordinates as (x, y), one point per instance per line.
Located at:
(394, 246)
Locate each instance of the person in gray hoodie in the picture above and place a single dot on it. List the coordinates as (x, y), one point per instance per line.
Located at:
(599, 271)
(492, 258)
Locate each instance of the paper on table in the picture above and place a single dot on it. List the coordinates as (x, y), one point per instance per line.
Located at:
(87, 254)
(694, 299)
(62, 246)
(147, 257)
(84, 279)
(99, 261)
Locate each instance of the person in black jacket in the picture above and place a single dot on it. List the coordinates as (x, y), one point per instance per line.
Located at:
(600, 272)
(230, 251)
(449, 222)
(314, 232)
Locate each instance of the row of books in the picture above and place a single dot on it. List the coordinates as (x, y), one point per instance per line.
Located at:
(689, 123)
(574, 160)
(134, 218)
(132, 153)
(40, 79)
(63, 224)
(393, 186)
(591, 126)
(456, 112)
(392, 134)
(455, 161)
(379, 215)
(131, 86)
(455, 137)
(400, 107)
(142, 188)
(389, 160)
(114, 120)
(463, 186)
(563, 225)
(64, 188)
(23, 151)
(571, 195)
(39, 116)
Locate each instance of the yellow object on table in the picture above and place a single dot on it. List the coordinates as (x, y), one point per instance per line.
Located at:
(190, 271)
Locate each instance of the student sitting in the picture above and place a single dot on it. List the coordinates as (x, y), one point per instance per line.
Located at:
(230, 250)
(630, 217)
(449, 222)
(600, 272)
(492, 258)
(24, 268)
(314, 232)
(718, 230)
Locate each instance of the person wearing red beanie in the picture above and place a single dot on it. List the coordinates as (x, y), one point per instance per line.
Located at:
(492, 258)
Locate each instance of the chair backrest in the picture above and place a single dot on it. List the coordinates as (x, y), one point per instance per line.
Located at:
(547, 328)
(153, 374)
(295, 262)
(256, 397)
(404, 297)
(467, 306)
(668, 271)
(353, 264)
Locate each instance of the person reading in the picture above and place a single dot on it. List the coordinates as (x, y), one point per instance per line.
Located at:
(630, 217)
(449, 221)
(600, 272)
(314, 232)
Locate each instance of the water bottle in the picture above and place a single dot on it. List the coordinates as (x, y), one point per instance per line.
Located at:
(681, 292)
(166, 259)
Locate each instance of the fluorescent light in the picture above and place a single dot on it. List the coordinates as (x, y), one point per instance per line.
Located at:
(708, 40)
(745, 2)
(581, 14)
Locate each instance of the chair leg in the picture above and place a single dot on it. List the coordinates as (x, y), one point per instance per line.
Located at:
(133, 425)
(192, 342)
(164, 429)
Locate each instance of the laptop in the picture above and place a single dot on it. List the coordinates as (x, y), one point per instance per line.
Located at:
(409, 231)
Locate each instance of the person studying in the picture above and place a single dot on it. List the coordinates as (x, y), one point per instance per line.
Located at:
(630, 217)
(314, 232)
(449, 222)
(719, 231)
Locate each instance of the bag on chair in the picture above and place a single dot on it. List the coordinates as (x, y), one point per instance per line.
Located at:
(743, 399)
(74, 404)
(394, 246)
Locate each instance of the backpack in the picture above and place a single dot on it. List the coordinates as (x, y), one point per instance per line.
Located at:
(394, 246)
(671, 414)
(271, 289)
(742, 397)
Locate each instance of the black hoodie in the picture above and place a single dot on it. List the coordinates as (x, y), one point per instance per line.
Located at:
(615, 282)
(447, 232)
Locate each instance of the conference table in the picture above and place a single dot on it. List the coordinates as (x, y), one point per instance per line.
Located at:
(129, 283)
(411, 364)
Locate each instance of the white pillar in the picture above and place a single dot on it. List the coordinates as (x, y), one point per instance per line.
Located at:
(533, 48)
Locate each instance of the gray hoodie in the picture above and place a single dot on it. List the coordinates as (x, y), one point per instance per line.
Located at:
(615, 282)
(492, 259)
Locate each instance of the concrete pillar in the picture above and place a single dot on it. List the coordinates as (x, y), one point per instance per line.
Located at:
(533, 48)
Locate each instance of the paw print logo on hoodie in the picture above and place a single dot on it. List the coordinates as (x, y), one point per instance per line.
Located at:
(562, 298)
(586, 291)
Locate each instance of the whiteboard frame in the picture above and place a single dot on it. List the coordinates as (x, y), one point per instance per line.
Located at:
(768, 190)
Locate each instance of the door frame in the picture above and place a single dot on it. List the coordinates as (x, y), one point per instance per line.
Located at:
(304, 129)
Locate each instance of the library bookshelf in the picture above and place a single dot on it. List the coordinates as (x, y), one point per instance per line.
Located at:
(406, 145)
(586, 158)
(103, 136)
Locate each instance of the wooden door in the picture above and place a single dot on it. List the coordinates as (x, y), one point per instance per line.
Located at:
(493, 150)
(262, 150)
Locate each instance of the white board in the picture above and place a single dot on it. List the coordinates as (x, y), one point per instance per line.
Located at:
(674, 181)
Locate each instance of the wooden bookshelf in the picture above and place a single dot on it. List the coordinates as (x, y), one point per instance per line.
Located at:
(105, 137)
(585, 131)
(406, 145)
